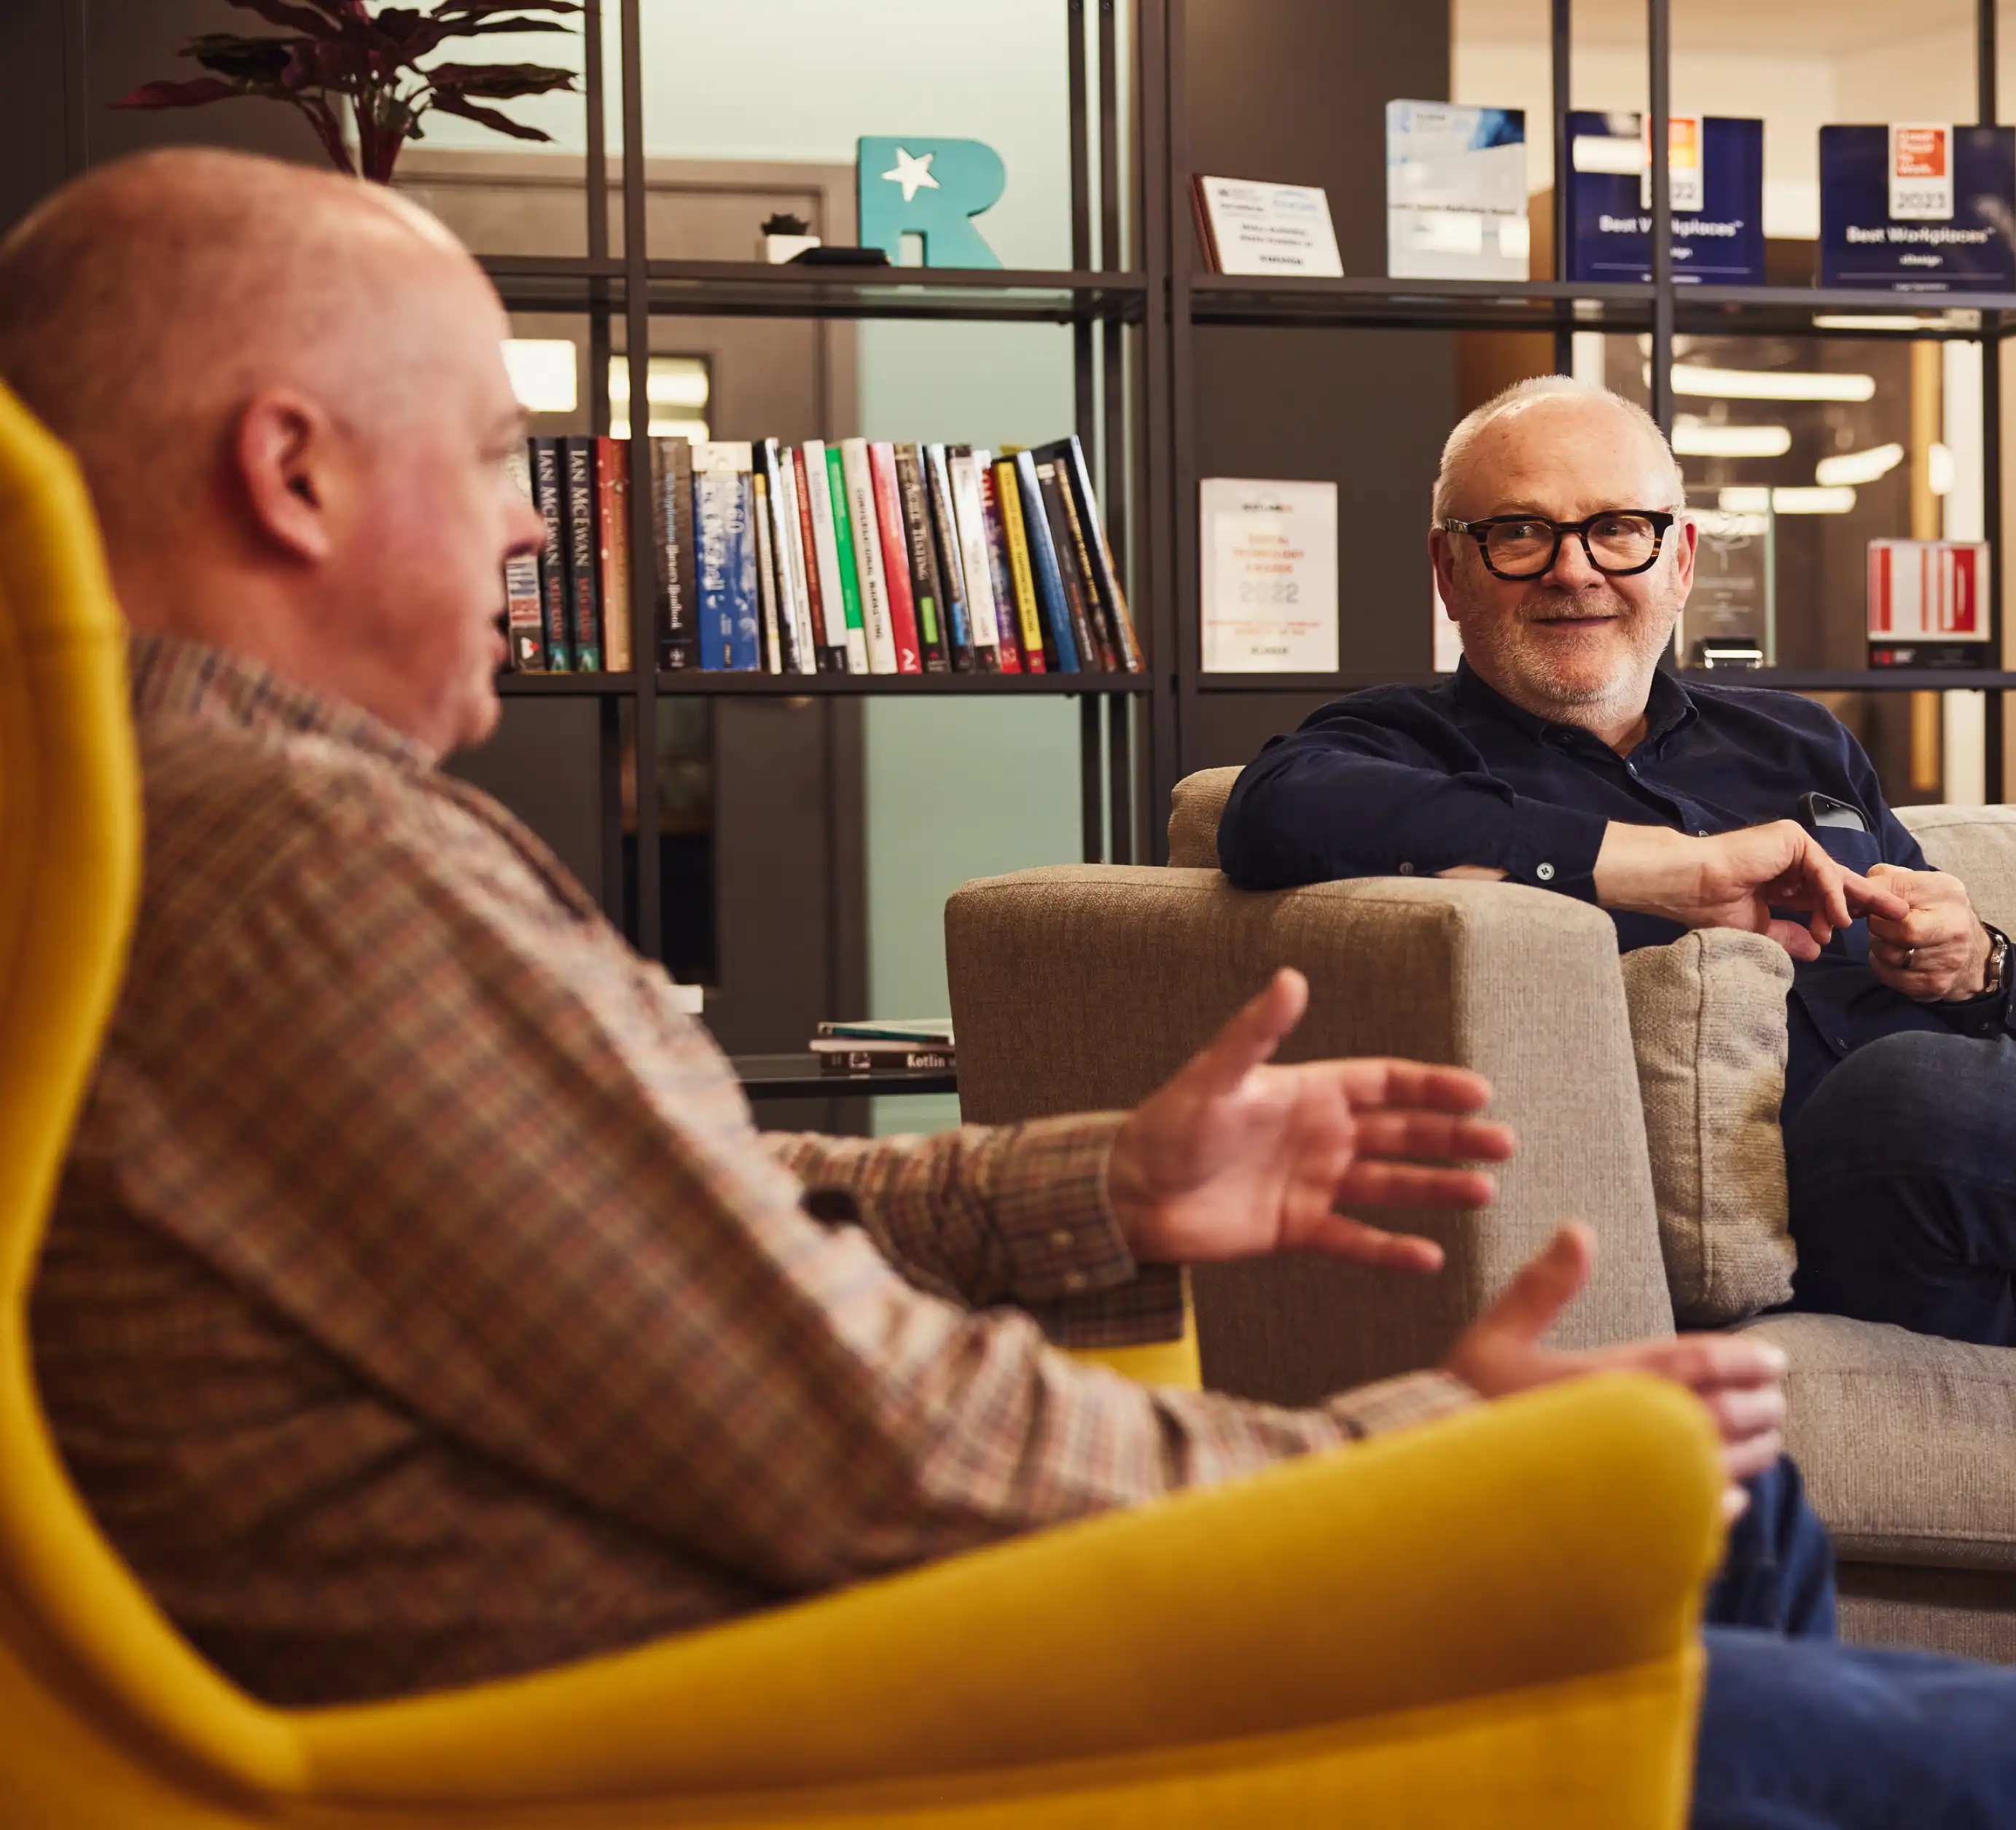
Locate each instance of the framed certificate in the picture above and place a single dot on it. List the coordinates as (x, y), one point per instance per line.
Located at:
(1249, 227)
(1267, 576)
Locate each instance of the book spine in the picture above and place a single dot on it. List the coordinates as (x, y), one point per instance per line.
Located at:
(866, 1061)
(925, 586)
(965, 480)
(868, 555)
(821, 574)
(1113, 599)
(1013, 590)
(770, 610)
(1038, 655)
(1084, 639)
(850, 573)
(794, 650)
(945, 532)
(748, 652)
(548, 491)
(1043, 566)
(721, 541)
(584, 559)
(612, 498)
(1072, 544)
(895, 556)
(791, 559)
(679, 629)
(525, 621)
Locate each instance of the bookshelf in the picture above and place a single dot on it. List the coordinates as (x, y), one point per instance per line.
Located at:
(1134, 297)
(1107, 302)
(1662, 308)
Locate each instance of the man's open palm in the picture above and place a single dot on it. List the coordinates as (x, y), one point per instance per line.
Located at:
(1235, 1157)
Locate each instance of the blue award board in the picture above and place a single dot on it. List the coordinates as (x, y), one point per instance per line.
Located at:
(1720, 242)
(1960, 241)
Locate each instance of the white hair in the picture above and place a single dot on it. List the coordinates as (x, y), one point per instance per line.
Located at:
(1457, 448)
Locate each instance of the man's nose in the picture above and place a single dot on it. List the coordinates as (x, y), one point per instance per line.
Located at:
(1571, 569)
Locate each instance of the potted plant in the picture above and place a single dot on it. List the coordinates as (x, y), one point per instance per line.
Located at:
(344, 50)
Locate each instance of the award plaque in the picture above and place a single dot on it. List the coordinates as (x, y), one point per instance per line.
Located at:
(1268, 576)
(1731, 619)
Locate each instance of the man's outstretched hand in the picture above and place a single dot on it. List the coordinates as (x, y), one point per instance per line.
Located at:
(1740, 1379)
(1235, 1157)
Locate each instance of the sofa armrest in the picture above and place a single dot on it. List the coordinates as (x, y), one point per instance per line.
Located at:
(1084, 986)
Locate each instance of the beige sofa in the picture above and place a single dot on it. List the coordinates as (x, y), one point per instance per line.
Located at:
(1082, 986)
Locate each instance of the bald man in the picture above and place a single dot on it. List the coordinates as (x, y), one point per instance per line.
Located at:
(420, 1305)
(1560, 756)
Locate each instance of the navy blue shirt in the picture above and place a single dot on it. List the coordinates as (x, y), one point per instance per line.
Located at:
(1405, 781)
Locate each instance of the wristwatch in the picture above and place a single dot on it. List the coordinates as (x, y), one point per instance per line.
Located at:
(1995, 979)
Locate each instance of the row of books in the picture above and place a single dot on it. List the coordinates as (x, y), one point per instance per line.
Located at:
(861, 557)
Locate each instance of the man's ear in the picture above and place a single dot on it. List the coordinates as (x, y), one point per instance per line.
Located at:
(1441, 556)
(284, 452)
(1687, 537)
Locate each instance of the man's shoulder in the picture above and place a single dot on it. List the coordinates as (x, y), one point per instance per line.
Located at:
(229, 806)
(1772, 705)
(1399, 705)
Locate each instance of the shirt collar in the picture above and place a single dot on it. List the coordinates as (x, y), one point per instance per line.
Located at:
(1668, 707)
(175, 680)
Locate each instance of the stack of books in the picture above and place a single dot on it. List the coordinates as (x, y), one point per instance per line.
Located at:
(864, 557)
(899, 1045)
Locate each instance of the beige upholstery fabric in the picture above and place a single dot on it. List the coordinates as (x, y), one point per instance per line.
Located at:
(1194, 810)
(1978, 844)
(1908, 1443)
(1707, 1023)
(1085, 985)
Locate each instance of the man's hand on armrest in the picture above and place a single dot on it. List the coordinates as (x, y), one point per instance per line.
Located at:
(1740, 1378)
(1235, 1157)
(1735, 879)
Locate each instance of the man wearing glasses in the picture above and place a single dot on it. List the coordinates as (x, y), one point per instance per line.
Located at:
(1560, 756)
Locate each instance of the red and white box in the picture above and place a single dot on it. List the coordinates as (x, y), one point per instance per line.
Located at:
(1926, 591)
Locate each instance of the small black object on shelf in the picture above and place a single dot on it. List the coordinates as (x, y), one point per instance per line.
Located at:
(832, 257)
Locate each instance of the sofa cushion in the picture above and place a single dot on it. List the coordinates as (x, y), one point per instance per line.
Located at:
(1195, 808)
(1978, 844)
(1908, 1443)
(1708, 1027)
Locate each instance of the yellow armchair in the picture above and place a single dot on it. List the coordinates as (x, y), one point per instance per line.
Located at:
(1492, 1621)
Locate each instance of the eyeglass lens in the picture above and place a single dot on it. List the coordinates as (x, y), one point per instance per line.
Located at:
(1617, 543)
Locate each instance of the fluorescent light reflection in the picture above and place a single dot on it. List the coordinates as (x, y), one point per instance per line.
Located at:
(1854, 467)
(1749, 499)
(542, 369)
(1698, 379)
(1705, 438)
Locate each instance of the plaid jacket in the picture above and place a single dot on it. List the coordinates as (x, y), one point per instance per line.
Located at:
(421, 1305)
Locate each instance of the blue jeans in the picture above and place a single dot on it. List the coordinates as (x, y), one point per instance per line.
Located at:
(1901, 1169)
(1799, 1733)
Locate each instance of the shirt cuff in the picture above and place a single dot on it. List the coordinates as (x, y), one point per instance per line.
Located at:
(1554, 848)
(1047, 1203)
(1405, 1403)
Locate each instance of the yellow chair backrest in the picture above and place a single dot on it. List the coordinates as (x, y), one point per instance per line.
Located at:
(69, 856)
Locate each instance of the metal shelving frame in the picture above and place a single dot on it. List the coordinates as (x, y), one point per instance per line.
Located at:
(1104, 301)
(1132, 296)
(1661, 308)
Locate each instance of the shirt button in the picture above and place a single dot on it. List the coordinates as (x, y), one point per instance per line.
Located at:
(1544, 873)
(1075, 1280)
(1407, 868)
(1061, 1239)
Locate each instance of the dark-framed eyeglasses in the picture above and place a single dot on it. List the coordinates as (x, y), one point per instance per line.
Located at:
(1618, 541)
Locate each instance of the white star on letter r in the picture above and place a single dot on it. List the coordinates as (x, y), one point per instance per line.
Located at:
(912, 174)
